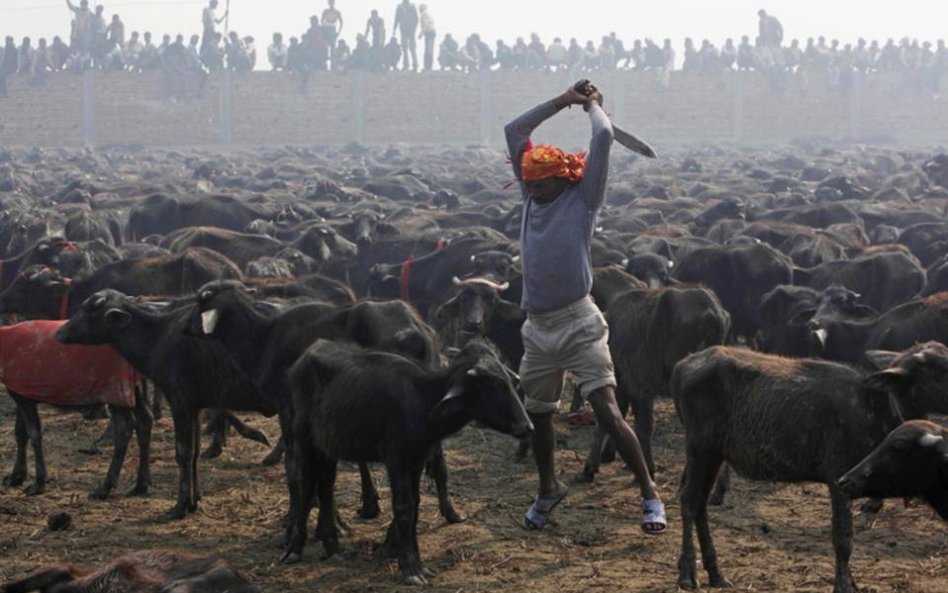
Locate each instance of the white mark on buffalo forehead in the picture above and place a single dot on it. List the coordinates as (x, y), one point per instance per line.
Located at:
(929, 440)
(209, 321)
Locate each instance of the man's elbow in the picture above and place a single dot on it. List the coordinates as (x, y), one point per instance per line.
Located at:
(510, 130)
(604, 134)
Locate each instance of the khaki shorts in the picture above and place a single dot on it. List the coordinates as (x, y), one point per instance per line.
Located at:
(574, 338)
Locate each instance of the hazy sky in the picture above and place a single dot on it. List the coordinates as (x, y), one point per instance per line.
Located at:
(507, 19)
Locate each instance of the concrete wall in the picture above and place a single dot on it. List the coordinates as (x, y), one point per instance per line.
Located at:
(264, 108)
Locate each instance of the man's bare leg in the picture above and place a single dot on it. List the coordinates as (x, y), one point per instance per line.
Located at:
(603, 402)
(544, 444)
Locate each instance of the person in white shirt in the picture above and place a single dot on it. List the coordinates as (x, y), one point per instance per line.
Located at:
(277, 53)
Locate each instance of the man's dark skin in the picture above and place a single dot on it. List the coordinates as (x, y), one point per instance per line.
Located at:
(602, 400)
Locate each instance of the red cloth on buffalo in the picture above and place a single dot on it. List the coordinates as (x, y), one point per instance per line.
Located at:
(35, 365)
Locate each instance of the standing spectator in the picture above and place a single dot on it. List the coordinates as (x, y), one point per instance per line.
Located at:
(99, 37)
(82, 26)
(769, 29)
(375, 32)
(116, 32)
(428, 33)
(277, 53)
(24, 66)
(317, 46)
(9, 61)
(209, 22)
(332, 27)
(556, 54)
(406, 21)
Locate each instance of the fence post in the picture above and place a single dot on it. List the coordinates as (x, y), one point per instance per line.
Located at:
(224, 112)
(485, 117)
(737, 111)
(88, 108)
(855, 107)
(358, 106)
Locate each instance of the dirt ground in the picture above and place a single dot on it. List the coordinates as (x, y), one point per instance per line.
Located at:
(770, 537)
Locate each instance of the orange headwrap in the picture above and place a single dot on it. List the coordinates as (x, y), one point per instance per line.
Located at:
(545, 161)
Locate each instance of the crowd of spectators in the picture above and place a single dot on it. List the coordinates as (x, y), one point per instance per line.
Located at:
(96, 42)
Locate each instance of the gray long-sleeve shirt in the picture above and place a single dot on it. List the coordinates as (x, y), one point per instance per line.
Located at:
(555, 237)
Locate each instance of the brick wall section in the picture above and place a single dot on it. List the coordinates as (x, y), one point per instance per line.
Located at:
(265, 108)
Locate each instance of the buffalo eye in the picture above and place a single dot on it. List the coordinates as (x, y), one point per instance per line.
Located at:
(206, 294)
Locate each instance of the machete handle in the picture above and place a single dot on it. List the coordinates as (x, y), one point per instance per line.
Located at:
(583, 87)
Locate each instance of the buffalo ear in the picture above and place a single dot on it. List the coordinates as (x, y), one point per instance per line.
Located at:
(881, 359)
(886, 381)
(508, 311)
(385, 229)
(117, 318)
(803, 317)
(445, 312)
(450, 406)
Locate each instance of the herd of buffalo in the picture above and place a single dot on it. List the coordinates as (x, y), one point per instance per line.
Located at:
(792, 302)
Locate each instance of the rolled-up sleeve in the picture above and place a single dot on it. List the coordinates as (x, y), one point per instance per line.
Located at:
(597, 161)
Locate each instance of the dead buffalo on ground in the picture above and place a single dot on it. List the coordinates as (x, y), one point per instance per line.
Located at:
(146, 571)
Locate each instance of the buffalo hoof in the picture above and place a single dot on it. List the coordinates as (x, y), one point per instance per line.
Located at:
(14, 480)
(368, 511)
(92, 449)
(272, 458)
(688, 582)
(35, 488)
(718, 581)
(587, 476)
(137, 490)
(416, 576)
(291, 558)
(179, 511)
(452, 516)
(212, 452)
(387, 549)
(100, 493)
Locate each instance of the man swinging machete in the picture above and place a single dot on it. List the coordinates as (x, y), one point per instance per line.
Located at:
(564, 330)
